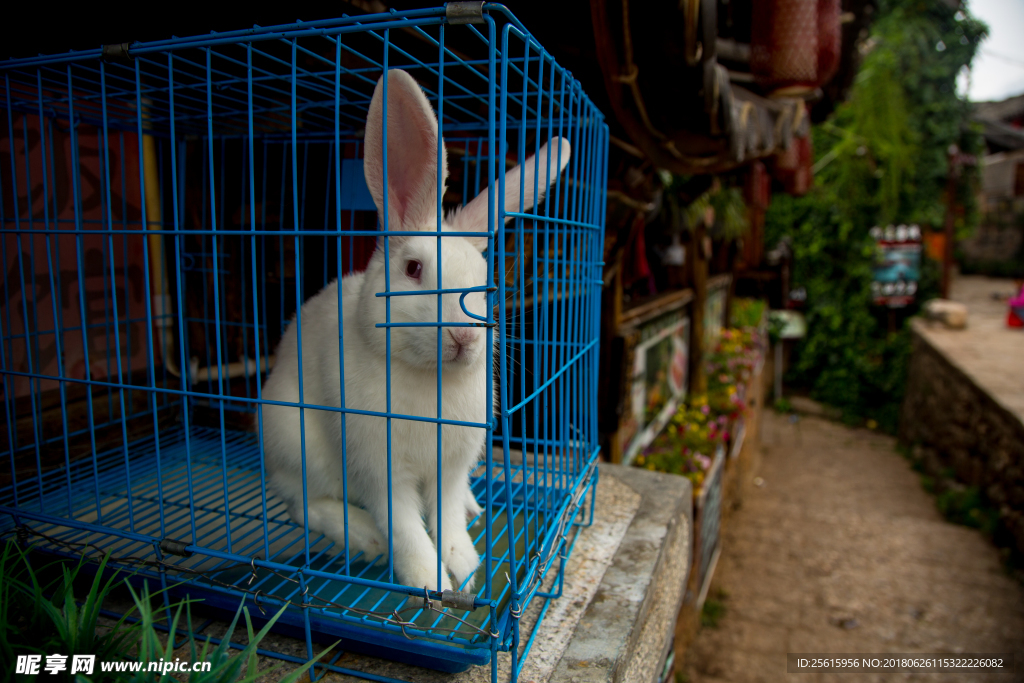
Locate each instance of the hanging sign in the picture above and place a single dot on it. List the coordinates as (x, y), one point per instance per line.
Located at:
(897, 267)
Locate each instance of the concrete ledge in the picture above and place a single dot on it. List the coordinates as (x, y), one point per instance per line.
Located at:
(987, 353)
(627, 629)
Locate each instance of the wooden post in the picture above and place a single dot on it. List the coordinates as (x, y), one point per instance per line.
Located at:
(614, 444)
(698, 382)
(947, 252)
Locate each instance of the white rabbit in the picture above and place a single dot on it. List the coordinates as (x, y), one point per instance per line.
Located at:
(411, 265)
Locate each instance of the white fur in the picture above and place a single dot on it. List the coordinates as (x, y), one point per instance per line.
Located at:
(412, 205)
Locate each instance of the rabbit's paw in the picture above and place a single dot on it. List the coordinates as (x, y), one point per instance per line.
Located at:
(363, 535)
(420, 574)
(472, 507)
(328, 515)
(366, 539)
(462, 559)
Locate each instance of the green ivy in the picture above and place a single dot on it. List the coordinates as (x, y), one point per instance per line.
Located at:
(881, 158)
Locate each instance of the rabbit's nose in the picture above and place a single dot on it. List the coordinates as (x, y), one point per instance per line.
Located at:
(463, 336)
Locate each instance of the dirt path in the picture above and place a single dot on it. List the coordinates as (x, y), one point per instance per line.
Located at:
(842, 551)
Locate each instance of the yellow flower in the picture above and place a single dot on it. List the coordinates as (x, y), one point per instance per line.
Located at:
(872, 424)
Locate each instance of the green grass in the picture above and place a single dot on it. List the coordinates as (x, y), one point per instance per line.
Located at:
(782, 405)
(747, 312)
(714, 609)
(40, 614)
(712, 613)
(967, 507)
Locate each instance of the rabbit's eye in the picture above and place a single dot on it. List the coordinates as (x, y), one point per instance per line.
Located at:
(413, 269)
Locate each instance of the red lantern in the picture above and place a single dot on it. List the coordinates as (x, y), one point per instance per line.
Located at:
(795, 43)
(829, 39)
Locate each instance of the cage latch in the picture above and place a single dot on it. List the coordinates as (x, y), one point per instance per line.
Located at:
(172, 547)
(458, 599)
(116, 52)
(464, 12)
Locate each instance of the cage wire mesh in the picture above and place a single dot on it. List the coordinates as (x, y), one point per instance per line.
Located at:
(169, 206)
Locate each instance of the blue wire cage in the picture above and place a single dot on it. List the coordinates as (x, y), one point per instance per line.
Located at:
(169, 206)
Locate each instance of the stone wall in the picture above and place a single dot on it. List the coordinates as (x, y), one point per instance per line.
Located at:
(959, 432)
(992, 243)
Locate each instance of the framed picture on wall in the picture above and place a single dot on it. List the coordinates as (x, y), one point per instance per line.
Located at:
(657, 366)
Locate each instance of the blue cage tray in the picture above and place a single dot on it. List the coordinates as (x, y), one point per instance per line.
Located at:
(79, 505)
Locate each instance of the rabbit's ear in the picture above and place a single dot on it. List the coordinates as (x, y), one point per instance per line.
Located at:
(412, 154)
(473, 216)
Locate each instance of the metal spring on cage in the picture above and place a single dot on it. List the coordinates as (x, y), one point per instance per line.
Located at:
(256, 601)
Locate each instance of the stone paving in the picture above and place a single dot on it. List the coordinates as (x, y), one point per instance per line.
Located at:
(840, 550)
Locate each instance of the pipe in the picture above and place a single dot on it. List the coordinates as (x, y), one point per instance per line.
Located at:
(163, 318)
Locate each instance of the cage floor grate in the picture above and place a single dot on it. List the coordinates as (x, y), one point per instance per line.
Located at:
(145, 497)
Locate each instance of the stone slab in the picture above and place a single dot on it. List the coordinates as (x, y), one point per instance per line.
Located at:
(987, 351)
(627, 629)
